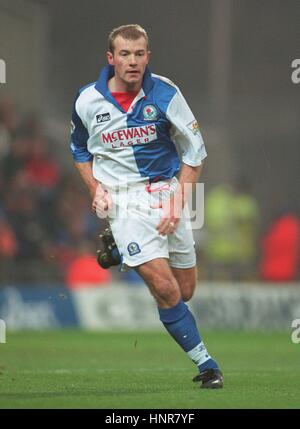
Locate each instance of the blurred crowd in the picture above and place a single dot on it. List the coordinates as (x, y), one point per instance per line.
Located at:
(46, 225)
(238, 247)
(48, 233)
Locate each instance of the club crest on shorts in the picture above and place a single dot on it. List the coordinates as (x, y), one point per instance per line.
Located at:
(133, 248)
(150, 113)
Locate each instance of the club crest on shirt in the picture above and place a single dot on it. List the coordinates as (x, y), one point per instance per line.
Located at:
(194, 126)
(133, 248)
(150, 113)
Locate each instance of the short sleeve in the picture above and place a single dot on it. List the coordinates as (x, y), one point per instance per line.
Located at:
(185, 131)
(79, 138)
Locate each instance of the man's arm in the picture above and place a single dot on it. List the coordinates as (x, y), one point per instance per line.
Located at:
(188, 175)
(86, 173)
(173, 208)
(101, 200)
(186, 133)
(83, 161)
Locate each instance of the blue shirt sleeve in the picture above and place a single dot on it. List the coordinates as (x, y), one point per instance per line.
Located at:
(79, 138)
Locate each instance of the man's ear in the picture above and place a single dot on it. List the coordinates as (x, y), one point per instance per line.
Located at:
(149, 56)
(110, 58)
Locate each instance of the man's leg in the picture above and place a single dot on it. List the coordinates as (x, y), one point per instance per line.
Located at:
(161, 282)
(178, 320)
(186, 279)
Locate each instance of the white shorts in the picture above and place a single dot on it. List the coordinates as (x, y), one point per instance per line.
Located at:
(133, 223)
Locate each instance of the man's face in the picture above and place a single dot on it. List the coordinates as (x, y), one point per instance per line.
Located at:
(130, 59)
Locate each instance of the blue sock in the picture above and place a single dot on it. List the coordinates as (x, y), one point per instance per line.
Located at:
(181, 325)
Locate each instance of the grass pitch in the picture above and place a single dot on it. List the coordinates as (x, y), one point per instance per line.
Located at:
(77, 369)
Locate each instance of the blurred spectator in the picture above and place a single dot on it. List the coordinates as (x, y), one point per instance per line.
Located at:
(13, 163)
(22, 208)
(231, 222)
(280, 257)
(4, 141)
(220, 249)
(8, 242)
(84, 271)
(31, 126)
(46, 215)
(247, 224)
(8, 249)
(9, 118)
(70, 224)
(41, 170)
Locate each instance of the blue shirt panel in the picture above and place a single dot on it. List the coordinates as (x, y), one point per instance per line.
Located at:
(157, 160)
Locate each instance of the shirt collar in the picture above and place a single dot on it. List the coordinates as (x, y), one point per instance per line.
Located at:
(109, 71)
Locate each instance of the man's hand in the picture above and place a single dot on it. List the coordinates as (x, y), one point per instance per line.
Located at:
(102, 202)
(172, 212)
(173, 207)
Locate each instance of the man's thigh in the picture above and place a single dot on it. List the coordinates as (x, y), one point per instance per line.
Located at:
(138, 240)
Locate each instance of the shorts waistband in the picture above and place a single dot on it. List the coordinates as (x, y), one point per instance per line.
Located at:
(149, 187)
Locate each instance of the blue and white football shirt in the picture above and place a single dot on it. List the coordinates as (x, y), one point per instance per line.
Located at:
(138, 145)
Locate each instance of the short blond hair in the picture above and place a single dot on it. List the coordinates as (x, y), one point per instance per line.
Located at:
(128, 32)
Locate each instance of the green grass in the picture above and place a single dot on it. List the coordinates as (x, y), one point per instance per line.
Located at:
(77, 369)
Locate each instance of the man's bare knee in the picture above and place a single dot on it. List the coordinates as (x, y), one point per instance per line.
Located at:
(187, 291)
(187, 279)
(165, 290)
(161, 282)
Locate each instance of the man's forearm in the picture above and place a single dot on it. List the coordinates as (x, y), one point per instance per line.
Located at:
(188, 175)
(86, 173)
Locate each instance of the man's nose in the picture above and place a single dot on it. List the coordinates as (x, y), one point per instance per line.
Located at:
(132, 60)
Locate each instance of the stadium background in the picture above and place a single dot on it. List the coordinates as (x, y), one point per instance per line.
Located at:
(232, 59)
